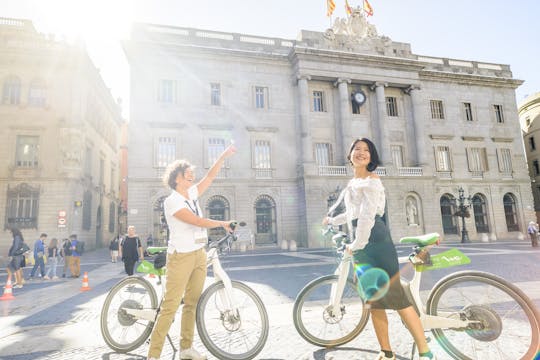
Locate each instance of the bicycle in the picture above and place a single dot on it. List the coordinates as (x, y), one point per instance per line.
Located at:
(471, 314)
(231, 318)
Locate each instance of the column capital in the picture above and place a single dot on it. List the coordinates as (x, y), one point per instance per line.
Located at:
(377, 84)
(303, 77)
(410, 88)
(342, 80)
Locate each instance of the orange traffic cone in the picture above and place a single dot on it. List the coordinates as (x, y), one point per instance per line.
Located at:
(85, 286)
(8, 292)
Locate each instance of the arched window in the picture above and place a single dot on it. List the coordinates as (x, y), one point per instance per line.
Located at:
(11, 94)
(265, 219)
(22, 206)
(480, 213)
(510, 212)
(217, 208)
(448, 209)
(37, 93)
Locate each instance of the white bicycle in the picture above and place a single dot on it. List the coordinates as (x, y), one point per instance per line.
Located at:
(473, 315)
(231, 318)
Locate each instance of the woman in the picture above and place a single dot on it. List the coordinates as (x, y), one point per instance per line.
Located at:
(52, 259)
(131, 250)
(14, 266)
(186, 256)
(113, 247)
(364, 202)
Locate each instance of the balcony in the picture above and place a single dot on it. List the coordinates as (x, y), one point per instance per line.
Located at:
(381, 171)
(410, 171)
(325, 170)
(444, 175)
(263, 173)
(477, 174)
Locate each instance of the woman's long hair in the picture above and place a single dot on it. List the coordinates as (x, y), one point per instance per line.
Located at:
(16, 232)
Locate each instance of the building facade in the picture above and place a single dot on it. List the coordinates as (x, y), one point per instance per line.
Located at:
(293, 108)
(529, 119)
(59, 140)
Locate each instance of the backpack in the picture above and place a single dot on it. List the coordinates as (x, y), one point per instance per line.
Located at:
(79, 247)
(67, 248)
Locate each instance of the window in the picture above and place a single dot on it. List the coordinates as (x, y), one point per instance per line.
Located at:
(442, 154)
(112, 184)
(87, 211)
(480, 213)
(318, 101)
(499, 116)
(112, 217)
(391, 106)
(215, 94)
(261, 156)
(11, 94)
(536, 167)
(477, 159)
(397, 155)
(215, 147)
(88, 161)
(437, 110)
(510, 212)
(261, 97)
(165, 151)
(217, 208)
(22, 207)
(468, 111)
(26, 154)
(505, 160)
(323, 154)
(265, 219)
(36, 94)
(532, 144)
(448, 209)
(167, 91)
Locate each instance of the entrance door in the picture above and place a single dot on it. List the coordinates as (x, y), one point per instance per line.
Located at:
(265, 218)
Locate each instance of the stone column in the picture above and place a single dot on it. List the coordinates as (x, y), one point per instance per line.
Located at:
(418, 124)
(343, 122)
(305, 134)
(382, 144)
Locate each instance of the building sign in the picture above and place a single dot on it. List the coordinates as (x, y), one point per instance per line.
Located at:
(62, 219)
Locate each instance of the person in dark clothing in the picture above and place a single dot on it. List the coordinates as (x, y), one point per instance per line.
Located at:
(113, 247)
(131, 250)
(16, 258)
(39, 253)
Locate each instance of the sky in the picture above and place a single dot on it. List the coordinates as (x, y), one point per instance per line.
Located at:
(497, 31)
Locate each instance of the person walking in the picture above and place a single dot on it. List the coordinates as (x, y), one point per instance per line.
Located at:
(532, 230)
(16, 256)
(75, 260)
(65, 253)
(131, 250)
(52, 259)
(186, 255)
(39, 253)
(113, 247)
(364, 209)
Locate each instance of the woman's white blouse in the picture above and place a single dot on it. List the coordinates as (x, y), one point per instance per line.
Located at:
(364, 199)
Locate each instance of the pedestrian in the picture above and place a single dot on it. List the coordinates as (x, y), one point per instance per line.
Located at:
(113, 247)
(16, 256)
(131, 250)
(75, 261)
(39, 253)
(65, 253)
(52, 259)
(532, 230)
(364, 208)
(186, 255)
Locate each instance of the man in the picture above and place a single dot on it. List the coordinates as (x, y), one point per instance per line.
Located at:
(131, 250)
(75, 262)
(39, 253)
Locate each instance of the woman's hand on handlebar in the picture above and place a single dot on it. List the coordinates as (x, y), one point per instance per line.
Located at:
(326, 221)
(227, 226)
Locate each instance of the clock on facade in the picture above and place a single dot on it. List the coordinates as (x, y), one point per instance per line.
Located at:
(359, 97)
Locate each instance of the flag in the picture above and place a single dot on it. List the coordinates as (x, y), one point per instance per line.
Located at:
(367, 8)
(348, 8)
(330, 6)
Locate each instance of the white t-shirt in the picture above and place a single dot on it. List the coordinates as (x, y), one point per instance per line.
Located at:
(183, 236)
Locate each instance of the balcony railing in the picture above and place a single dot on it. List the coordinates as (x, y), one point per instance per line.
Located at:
(410, 171)
(263, 173)
(445, 175)
(477, 174)
(381, 171)
(325, 170)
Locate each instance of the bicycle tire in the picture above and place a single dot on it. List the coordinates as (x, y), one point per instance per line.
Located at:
(355, 327)
(215, 337)
(492, 339)
(113, 318)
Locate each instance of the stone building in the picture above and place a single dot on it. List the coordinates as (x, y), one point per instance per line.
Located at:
(294, 106)
(59, 140)
(529, 119)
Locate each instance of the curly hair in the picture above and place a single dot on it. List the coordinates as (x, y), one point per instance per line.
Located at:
(172, 171)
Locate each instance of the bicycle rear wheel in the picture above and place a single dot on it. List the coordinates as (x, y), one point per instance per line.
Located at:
(315, 320)
(507, 324)
(228, 334)
(122, 331)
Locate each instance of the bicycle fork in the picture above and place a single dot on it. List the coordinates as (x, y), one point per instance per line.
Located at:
(336, 291)
(226, 294)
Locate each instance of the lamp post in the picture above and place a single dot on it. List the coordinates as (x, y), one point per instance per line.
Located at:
(463, 212)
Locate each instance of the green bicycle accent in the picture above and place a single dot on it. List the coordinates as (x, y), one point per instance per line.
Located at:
(446, 259)
(146, 267)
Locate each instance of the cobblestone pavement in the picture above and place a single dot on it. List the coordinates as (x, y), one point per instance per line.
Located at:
(55, 320)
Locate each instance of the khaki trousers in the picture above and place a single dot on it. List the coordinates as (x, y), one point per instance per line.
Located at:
(75, 266)
(186, 273)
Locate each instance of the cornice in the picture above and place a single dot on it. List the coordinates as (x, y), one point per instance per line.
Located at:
(441, 136)
(502, 139)
(262, 129)
(222, 127)
(469, 79)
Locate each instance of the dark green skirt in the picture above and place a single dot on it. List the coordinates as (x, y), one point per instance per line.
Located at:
(380, 252)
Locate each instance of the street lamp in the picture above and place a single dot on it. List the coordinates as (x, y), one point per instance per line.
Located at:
(463, 212)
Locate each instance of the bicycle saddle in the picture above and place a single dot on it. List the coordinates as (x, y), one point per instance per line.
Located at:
(422, 240)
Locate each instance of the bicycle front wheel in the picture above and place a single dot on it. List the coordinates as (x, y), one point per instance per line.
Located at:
(121, 330)
(503, 320)
(318, 322)
(238, 333)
